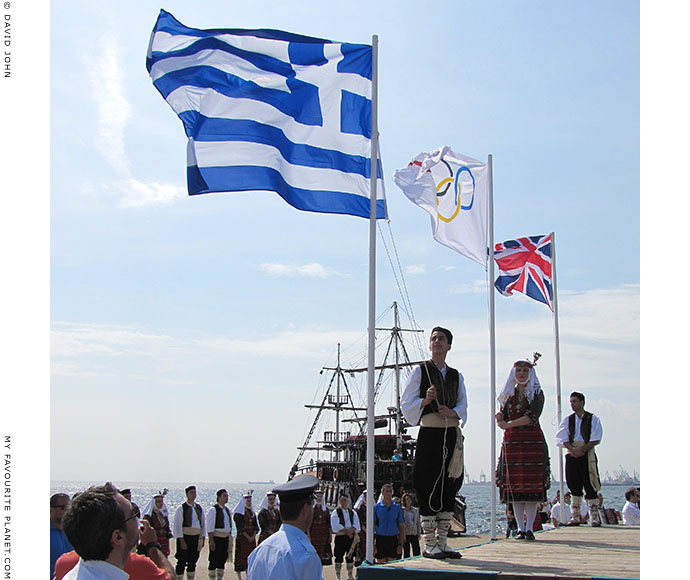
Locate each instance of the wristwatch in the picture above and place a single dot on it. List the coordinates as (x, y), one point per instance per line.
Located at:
(150, 545)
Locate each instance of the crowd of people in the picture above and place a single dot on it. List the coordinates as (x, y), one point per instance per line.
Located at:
(144, 538)
(293, 534)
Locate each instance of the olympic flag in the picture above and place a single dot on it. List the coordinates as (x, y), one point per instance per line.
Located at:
(454, 190)
(273, 111)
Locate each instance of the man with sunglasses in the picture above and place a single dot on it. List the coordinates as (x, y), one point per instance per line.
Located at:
(102, 526)
(59, 544)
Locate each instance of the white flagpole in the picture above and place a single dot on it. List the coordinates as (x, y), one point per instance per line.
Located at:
(492, 346)
(557, 358)
(372, 299)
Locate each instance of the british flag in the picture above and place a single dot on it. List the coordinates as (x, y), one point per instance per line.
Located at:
(524, 265)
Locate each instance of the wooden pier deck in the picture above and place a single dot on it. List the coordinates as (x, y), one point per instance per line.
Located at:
(563, 553)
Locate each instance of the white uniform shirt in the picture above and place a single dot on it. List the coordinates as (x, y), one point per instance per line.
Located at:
(286, 555)
(411, 402)
(211, 521)
(95, 570)
(177, 522)
(336, 526)
(631, 514)
(563, 434)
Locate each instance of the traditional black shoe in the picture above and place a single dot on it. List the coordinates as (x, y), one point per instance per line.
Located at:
(451, 554)
(529, 536)
(520, 536)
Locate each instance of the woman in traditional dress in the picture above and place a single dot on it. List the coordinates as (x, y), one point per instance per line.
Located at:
(156, 513)
(413, 526)
(523, 474)
(320, 531)
(269, 516)
(247, 527)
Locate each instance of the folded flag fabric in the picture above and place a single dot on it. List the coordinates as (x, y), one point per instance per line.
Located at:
(267, 110)
(454, 190)
(525, 265)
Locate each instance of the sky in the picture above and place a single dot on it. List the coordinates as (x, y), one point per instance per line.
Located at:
(212, 316)
(152, 336)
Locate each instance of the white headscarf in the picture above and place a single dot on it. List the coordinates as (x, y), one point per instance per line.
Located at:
(152, 502)
(264, 502)
(360, 500)
(323, 499)
(240, 507)
(532, 388)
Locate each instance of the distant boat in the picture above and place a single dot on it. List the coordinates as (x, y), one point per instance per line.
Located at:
(270, 482)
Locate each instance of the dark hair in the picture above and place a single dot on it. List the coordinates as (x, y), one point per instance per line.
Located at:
(404, 497)
(290, 509)
(630, 493)
(190, 488)
(578, 396)
(445, 331)
(90, 521)
(220, 492)
(56, 497)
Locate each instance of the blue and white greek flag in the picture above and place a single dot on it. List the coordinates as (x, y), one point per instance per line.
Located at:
(266, 110)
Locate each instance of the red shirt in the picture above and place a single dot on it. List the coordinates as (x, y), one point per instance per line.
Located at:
(137, 566)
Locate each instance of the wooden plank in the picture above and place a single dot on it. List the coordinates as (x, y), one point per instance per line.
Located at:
(563, 553)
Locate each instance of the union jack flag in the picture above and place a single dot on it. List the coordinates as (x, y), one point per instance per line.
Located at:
(524, 265)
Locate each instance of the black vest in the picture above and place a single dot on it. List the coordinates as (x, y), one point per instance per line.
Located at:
(447, 390)
(187, 515)
(585, 427)
(220, 520)
(341, 517)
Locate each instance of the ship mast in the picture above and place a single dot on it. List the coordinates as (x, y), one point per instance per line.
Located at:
(340, 402)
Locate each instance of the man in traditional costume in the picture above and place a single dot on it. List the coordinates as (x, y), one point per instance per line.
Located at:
(435, 398)
(247, 527)
(189, 529)
(288, 554)
(219, 529)
(345, 526)
(579, 433)
(268, 516)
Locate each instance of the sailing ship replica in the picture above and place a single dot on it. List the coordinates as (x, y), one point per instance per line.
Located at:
(340, 454)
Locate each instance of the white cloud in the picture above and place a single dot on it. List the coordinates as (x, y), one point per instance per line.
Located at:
(446, 268)
(107, 80)
(105, 71)
(312, 270)
(415, 269)
(137, 193)
(473, 287)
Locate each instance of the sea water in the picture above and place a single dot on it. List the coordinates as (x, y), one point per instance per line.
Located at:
(477, 496)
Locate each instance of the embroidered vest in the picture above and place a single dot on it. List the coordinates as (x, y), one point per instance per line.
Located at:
(447, 390)
(585, 427)
(220, 520)
(187, 514)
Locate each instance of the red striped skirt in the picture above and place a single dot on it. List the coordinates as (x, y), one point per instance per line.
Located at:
(523, 472)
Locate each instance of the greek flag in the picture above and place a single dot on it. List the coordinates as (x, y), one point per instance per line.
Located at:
(266, 110)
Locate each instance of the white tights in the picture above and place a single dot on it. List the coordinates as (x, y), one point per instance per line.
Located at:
(525, 512)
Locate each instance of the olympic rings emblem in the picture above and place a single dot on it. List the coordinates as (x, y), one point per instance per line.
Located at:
(445, 184)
